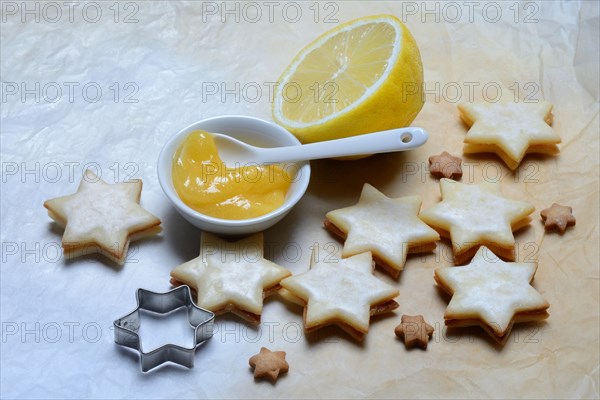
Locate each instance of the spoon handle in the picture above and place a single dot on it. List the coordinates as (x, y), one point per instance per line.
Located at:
(380, 142)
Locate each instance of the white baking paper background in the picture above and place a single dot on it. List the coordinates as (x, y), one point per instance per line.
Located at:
(104, 84)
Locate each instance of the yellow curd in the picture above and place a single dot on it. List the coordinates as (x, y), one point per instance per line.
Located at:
(205, 184)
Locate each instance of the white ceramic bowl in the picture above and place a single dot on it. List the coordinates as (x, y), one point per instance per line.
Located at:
(251, 130)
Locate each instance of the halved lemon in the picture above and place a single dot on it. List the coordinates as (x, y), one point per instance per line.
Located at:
(363, 76)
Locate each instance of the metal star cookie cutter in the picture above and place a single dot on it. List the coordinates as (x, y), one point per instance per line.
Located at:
(127, 327)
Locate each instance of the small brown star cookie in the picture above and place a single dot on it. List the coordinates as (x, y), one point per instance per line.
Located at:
(557, 218)
(269, 364)
(414, 331)
(445, 166)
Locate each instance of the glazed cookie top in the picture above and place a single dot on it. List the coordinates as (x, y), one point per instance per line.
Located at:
(384, 226)
(102, 214)
(230, 273)
(476, 214)
(491, 290)
(513, 127)
(339, 289)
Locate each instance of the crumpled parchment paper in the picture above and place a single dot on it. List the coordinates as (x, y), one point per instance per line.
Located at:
(102, 85)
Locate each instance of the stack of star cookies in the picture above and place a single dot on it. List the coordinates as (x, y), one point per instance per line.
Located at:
(231, 277)
(480, 221)
(477, 215)
(102, 218)
(492, 294)
(388, 228)
(340, 291)
(509, 129)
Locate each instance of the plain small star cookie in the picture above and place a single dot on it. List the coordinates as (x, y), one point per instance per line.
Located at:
(557, 218)
(509, 129)
(269, 364)
(445, 165)
(491, 293)
(414, 331)
(477, 215)
(231, 276)
(388, 228)
(340, 291)
(102, 218)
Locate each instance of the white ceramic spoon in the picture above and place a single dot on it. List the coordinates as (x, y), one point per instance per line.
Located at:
(234, 152)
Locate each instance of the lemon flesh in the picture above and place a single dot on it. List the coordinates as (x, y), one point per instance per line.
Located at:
(363, 76)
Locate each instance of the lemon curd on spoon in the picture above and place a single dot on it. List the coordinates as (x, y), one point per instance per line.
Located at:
(207, 185)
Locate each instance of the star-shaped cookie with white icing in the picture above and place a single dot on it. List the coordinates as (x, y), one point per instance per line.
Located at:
(340, 291)
(509, 129)
(231, 276)
(491, 293)
(102, 218)
(388, 228)
(477, 215)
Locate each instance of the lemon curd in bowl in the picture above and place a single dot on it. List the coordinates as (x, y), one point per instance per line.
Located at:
(254, 131)
(204, 183)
